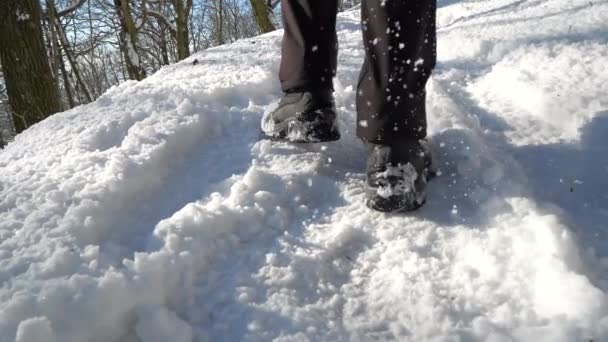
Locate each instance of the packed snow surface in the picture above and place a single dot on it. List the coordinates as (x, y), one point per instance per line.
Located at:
(155, 214)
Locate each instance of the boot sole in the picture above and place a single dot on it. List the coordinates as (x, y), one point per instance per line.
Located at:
(393, 204)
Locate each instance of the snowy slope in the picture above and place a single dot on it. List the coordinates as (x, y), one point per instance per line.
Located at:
(154, 214)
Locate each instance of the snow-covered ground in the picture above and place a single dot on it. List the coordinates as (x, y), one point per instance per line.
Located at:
(155, 214)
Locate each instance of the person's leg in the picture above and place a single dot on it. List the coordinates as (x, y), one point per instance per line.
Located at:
(306, 112)
(310, 45)
(400, 52)
(399, 40)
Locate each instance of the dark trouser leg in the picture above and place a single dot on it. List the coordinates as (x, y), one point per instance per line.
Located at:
(310, 45)
(400, 52)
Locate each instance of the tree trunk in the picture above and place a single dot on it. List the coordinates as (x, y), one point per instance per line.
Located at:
(220, 23)
(182, 11)
(128, 40)
(97, 79)
(31, 88)
(66, 82)
(164, 50)
(68, 53)
(52, 41)
(111, 67)
(261, 13)
(52, 47)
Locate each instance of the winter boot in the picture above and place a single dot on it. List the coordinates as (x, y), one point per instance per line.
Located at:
(308, 117)
(397, 175)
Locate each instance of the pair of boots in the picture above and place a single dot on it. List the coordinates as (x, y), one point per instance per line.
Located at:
(397, 174)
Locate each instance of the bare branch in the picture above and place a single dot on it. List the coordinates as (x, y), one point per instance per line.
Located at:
(74, 6)
(162, 18)
(272, 3)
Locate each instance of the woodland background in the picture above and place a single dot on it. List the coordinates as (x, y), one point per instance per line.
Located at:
(59, 54)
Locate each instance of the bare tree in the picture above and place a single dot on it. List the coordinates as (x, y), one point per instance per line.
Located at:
(182, 12)
(181, 30)
(261, 12)
(31, 88)
(54, 17)
(220, 22)
(90, 45)
(128, 40)
(7, 130)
